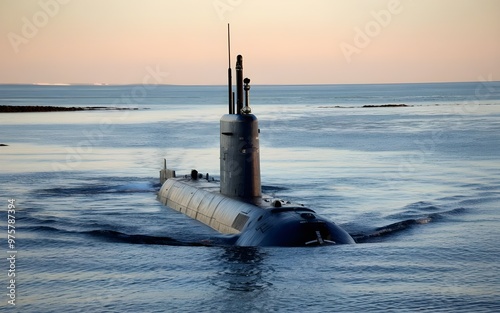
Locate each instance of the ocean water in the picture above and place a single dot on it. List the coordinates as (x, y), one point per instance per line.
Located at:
(418, 187)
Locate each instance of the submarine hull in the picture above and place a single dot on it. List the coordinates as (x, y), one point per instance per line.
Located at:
(259, 221)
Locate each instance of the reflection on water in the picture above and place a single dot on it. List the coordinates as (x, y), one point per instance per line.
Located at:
(243, 280)
(242, 269)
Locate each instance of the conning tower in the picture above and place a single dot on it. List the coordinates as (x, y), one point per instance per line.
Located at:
(239, 144)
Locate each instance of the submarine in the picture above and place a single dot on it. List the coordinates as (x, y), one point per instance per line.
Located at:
(234, 204)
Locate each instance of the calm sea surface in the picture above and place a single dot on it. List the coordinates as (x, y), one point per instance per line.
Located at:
(418, 186)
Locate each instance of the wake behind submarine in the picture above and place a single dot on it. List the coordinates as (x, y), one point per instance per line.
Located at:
(236, 205)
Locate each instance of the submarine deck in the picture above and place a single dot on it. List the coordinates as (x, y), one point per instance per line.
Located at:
(264, 201)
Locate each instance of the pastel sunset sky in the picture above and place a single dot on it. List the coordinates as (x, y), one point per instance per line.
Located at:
(282, 41)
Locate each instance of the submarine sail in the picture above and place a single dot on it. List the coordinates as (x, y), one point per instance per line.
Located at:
(235, 204)
(239, 147)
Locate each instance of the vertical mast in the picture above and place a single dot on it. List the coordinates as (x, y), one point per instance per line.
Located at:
(239, 84)
(229, 76)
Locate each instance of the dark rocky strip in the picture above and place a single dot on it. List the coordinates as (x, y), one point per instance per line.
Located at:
(385, 106)
(35, 108)
(390, 105)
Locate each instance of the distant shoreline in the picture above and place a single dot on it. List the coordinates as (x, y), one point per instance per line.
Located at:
(46, 108)
(98, 85)
(390, 105)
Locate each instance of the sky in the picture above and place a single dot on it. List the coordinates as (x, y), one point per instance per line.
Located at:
(184, 42)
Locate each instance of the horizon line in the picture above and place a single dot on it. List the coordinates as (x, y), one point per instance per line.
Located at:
(220, 85)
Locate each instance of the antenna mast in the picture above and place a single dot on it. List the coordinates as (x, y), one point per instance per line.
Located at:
(229, 75)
